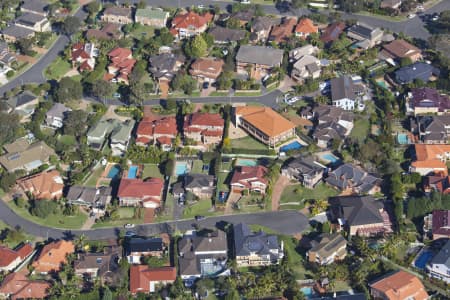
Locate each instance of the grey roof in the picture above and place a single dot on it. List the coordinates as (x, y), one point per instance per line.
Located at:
(327, 244)
(443, 256)
(138, 244)
(264, 23)
(57, 111)
(105, 262)
(418, 70)
(343, 87)
(260, 55)
(348, 175)
(17, 31)
(244, 15)
(123, 131)
(198, 180)
(433, 128)
(118, 11)
(35, 5)
(164, 64)
(21, 99)
(356, 210)
(364, 31)
(95, 196)
(304, 165)
(29, 19)
(226, 35)
(329, 113)
(246, 241)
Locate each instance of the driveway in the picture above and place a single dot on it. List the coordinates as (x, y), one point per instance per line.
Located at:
(278, 189)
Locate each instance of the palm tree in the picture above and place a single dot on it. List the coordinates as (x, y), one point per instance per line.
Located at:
(79, 242)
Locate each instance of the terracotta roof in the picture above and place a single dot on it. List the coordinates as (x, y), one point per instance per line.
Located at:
(306, 26)
(283, 31)
(209, 67)
(52, 256)
(332, 32)
(137, 188)
(20, 287)
(427, 152)
(401, 48)
(205, 119)
(7, 255)
(191, 19)
(43, 185)
(245, 175)
(265, 119)
(141, 276)
(401, 285)
(163, 126)
(431, 163)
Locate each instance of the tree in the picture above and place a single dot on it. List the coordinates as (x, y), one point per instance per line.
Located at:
(297, 3)
(9, 127)
(107, 294)
(7, 181)
(24, 45)
(101, 88)
(321, 99)
(196, 47)
(75, 123)
(208, 38)
(43, 209)
(71, 25)
(93, 7)
(68, 89)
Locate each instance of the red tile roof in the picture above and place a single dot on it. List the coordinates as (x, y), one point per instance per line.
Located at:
(332, 32)
(401, 285)
(164, 127)
(7, 255)
(137, 188)
(306, 26)
(44, 185)
(20, 287)
(245, 175)
(141, 276)
(205, 119)
(52, 256)
(191, 19)
(121, 60)
(441, 222)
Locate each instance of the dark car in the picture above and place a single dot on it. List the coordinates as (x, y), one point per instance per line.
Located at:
(198, 218)
(205, 85)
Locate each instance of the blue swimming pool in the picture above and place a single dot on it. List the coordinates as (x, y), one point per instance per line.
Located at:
(246, 162)
(292, 146)
(402, 139)
(114, 171)
(181, 168)
(423, 259)
(132, 172)
(307, 291)
(330, 157)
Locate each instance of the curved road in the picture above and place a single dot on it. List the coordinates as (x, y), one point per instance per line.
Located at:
(285, 222)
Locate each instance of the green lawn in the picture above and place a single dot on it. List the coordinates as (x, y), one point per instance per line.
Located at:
(67, 140)
(57, 69)
(294, 258)
(248, 143)
(55, 221)
(142, 31)
(251, 203)
(16, 239)
(297, 193)
(151, 170)
(200, 208)
(360, 129)
(197, 167)
(221, 181)
(126, 215)
(91, 181)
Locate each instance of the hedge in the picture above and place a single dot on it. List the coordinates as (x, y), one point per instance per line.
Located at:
(269, 152)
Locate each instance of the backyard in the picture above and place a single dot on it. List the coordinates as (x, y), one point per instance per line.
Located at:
(360, 129)
(248, 143)
(91, 181)
(141, 31)
(151, 170)
(125, 215)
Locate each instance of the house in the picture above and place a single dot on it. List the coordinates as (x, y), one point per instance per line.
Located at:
(83, 56)
(243, 16)
(346, 94)
(332, 32)
(34, 6)
(137, 248)
(282, 32)
(202, 254)
(136, 192)
(151, 17)
(439, 265)
(440, 184)
(120, 137)
(253, 249)
(327, 249)
(366, 36)
(12, 258)
(355, 179)
(440, 227)
(17, 286)
(261, 27)
(34, 22)
(249, 178)
(259, 59)
(45, 185)
(400, 285)
(264, 124)
(23, 104)
(55, 116)
(427, 100)
(333, 123)
(164, 66)
(52, 257)
(98, 134)
(359, 215)
(144, 279)
(399, 49)
(190, 24)
(306, 67)
(392, 4)
(417, 71)
(430, 159)
(431, 129)
(305, 28)
(6, 57)
(21, 155)
(13, 33)
(121, 65)
(297, 53)
(223, 35)
(118, 15)
(103, 265)
(107, 32)
(206, 69)
(304, 169)
(159, 132)
(205, 128)
(95, 198)
(201, 185)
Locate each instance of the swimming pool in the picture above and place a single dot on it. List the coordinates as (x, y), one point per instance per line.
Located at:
(181, 168)
(114, 171)
(383, 84)
(423, 259)
(132, 172)
(292, 146)
(307, 291)
(330, 158)
(402, 139)
(246, 162)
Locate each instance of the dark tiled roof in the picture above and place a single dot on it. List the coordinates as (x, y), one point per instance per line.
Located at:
(343, 87)
(356, 210)
(246, 241)
(225, 35)
(418, 70)
(428, 97)
(259, 55)
(332, 32)
(35, 5)
(443, 256)
(144, 245)
(348, 175)
(17, 31)
(198, 180)
(21, 99)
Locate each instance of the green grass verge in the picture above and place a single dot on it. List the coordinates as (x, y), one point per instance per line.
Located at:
(201, 208)
(57, 69)
(126, 215)
(298, 193)
(248, 143)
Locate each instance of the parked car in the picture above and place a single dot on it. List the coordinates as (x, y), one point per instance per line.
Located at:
(411, 16)
(205, 85)
(128, 225)
(201, 6)
(199, 218)
(130, 234)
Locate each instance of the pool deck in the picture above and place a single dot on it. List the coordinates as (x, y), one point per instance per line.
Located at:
(296, 139)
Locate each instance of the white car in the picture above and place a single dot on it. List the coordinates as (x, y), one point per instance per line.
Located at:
(128, 226)
(245, 1)
(411, 16)
(201, 6)
(291, 100)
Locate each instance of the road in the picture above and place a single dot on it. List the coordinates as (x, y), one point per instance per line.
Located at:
(285, 222)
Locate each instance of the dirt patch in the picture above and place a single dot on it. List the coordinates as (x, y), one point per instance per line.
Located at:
(72, 72)
(232, 199)
(164, 88)
(299, 121)
(25, 58)
(278, 189)
(149, 215)
(236, 132)
(110, 114)
(40, 50)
